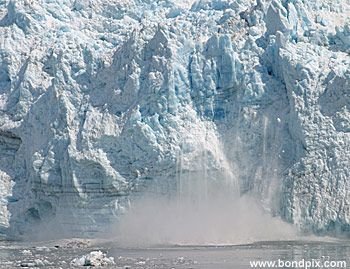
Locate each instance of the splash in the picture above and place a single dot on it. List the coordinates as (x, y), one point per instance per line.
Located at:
(218, 221)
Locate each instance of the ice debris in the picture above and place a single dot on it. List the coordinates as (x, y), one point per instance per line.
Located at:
(94, 258)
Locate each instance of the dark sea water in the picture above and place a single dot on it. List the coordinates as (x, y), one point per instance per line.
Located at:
(59, 254)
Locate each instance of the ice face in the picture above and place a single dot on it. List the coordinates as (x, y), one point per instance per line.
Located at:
(100, 99)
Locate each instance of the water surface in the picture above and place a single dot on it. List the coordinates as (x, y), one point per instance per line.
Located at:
(59, 254)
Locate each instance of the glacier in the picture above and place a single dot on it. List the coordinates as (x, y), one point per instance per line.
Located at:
(100, 99)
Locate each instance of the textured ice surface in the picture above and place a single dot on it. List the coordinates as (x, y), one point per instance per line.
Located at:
(101, 98)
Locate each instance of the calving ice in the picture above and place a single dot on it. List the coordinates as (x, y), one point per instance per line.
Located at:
(102, 102)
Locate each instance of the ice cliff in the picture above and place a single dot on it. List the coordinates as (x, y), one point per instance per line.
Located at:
(99, 99)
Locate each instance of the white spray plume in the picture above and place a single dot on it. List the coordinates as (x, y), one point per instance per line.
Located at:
(216, 221)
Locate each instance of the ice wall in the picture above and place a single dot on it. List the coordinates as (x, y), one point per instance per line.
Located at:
(100, 99)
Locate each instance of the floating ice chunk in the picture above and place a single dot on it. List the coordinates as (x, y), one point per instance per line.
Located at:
(26, 252)
(39, 262)
(94, 258)
(44, 249)
(35, 263)
(28, 264)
